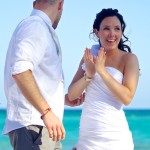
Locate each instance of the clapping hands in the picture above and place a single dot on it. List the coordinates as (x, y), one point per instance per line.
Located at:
(94, 63)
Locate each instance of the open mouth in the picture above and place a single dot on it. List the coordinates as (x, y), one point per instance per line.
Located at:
(111, 41)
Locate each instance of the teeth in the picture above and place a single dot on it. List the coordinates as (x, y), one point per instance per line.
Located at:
(111, 40)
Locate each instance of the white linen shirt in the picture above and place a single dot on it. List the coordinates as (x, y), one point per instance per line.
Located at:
(33, 48)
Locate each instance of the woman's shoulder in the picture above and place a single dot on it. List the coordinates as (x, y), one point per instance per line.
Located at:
(130, 58)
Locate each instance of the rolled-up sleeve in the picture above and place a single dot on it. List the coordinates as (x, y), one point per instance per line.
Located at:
(21, 66)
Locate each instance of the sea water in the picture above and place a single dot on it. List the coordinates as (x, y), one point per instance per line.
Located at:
(138, 120)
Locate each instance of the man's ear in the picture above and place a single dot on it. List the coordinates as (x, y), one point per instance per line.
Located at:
(60, 5)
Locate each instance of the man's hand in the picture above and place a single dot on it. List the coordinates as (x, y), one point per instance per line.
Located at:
(54, 126)
(75, 102)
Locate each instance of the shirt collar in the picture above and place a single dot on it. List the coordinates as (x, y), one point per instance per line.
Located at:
(44, 16)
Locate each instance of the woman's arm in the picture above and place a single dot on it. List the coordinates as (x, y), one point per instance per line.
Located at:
(82, 78)
(125, 91)
(78, 84)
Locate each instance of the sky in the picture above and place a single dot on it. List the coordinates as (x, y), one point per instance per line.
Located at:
(73, 32)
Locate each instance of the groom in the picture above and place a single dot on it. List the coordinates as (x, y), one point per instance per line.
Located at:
(34, 82)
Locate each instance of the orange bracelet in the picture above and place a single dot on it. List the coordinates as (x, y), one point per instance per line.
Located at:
(46, 111)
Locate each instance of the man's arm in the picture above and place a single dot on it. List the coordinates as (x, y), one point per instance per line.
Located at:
(30, 90)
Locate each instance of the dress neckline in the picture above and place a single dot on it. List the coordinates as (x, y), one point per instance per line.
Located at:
(114, 69)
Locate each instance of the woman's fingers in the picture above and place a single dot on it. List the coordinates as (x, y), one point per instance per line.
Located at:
(87, 54)
(101, 52)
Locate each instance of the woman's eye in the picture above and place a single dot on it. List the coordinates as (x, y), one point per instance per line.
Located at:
(106, 28)
(117, 29)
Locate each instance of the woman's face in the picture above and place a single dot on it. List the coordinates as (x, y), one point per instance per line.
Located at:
(110, 33)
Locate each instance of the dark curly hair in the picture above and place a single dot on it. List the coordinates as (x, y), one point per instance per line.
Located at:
(110, 13)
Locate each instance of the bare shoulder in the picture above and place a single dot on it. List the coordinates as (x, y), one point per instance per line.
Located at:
(129, 55)
(130, 61)
(130, 58)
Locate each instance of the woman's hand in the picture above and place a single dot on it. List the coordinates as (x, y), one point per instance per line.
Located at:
(89, 63)
(99, 61)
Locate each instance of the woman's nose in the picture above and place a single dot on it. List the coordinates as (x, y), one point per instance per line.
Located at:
(112, 32)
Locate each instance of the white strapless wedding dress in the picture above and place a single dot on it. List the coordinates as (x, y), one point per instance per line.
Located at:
(103, 125)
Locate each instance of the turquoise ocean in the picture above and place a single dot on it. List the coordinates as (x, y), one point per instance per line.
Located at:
(139, 124)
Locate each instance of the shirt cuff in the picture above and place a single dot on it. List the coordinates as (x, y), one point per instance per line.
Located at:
(21, 66)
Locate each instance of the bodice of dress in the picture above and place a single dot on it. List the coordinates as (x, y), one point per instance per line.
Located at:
(98, 91)
(102, 106)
